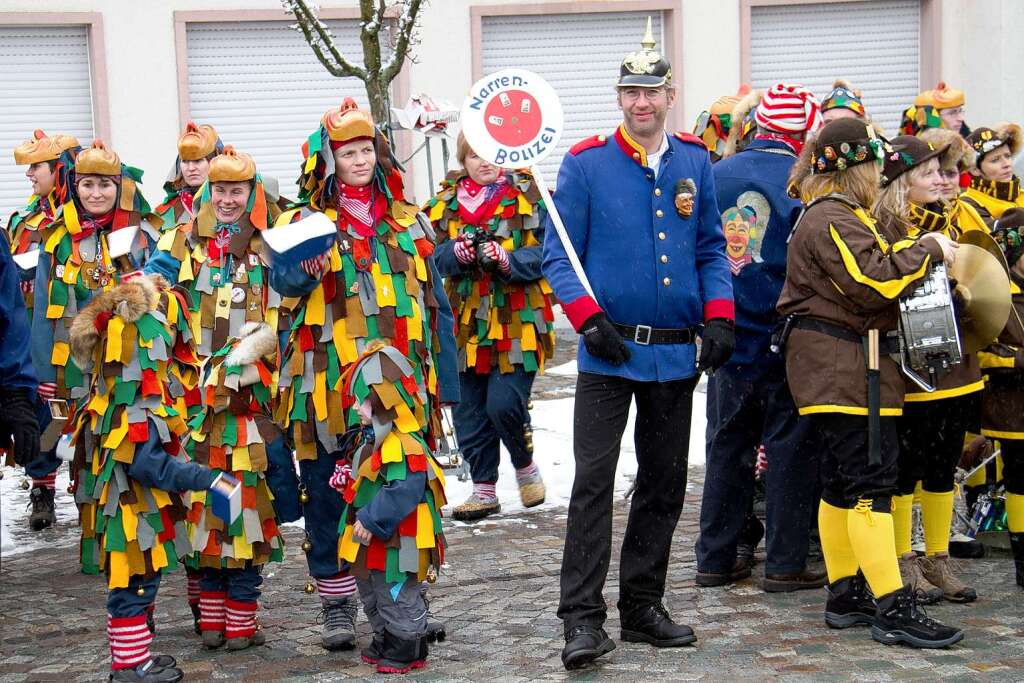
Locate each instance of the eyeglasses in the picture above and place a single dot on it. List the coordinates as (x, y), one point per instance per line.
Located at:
(650, 94)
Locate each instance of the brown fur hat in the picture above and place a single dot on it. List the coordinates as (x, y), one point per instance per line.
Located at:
(128, 301)
(984, 140)
(957, 150)
(739, 115)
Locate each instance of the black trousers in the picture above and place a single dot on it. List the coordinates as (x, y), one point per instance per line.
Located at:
(742, 414)
(661, 437)
(846, 473)
(932, 440)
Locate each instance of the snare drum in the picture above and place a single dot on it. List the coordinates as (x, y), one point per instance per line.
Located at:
(929, 338)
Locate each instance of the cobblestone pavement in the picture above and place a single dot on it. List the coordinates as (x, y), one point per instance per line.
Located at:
(498, 598)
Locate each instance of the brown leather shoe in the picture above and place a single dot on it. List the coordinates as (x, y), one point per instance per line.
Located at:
(809, 578)
(740, 570)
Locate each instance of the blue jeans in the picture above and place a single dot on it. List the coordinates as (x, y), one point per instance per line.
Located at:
(126, 602)
(46, 462)
(322, 513)
(742, 414)
(491, 411)
(241, 584)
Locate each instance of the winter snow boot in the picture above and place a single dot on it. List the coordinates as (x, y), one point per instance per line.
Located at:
(898, 619)
(42, 515)
(339, 616)
(849, 603)
(398, 656)
(939, 570)
(147, 672)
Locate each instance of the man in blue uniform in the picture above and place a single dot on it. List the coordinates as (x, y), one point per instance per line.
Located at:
(749, 403)
(639, 208)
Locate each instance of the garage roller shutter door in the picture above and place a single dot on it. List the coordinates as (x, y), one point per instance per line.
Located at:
(579, 54)
(875, 45)
(45, 84)
(259, 84)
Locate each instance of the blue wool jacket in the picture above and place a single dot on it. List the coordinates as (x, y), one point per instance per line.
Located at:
(15, 364)
(757, 217)
(648, 263)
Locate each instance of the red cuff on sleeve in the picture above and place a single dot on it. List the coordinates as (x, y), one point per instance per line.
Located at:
(579, 310)
(719, 308)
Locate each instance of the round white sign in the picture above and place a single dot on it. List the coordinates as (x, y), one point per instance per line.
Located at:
(512, 118)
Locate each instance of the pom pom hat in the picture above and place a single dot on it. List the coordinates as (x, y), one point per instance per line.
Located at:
(786, 108)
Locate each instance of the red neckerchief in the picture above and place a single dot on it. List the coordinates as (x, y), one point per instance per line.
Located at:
(91, 225)
(188, 196)
(362, 206)
(793, 144)
(493, 194)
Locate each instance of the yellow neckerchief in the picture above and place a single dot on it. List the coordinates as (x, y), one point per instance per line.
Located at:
(925, 219)
(965, 216)
(995, 196)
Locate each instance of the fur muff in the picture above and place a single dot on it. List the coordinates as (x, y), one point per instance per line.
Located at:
(128, 301)
(256, 340)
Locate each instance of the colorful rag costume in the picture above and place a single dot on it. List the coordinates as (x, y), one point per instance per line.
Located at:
(503, 321)
(222, 265)
(195, 143)
(136, 339)
(25, 225)
(397, 490)
(77, 262)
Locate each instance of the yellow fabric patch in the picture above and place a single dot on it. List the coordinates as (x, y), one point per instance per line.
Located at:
(424, 527)
(391, 449)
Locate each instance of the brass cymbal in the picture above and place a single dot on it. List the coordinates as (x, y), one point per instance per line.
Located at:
(984, 287)
(980, 238)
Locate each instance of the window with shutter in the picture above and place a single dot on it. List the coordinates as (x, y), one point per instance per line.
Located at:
(45, 84)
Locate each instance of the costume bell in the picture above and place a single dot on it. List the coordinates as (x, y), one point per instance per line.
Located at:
(377, 282)
(489, 249)
(75, 263)
(843, 278)
(197, 147)
(234, 433)
(130, 469)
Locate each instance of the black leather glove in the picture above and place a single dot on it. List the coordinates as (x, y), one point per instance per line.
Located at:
(18, 420)
(716, 344)
(604, 341)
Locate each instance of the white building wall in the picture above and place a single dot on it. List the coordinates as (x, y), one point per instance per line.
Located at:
(982, 53)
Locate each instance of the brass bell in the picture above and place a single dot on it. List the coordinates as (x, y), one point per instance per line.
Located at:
(310, 588)
(306, 546)
(529, 404)
(25, 486)
(303, 496)
(431, 574)
(141, 592)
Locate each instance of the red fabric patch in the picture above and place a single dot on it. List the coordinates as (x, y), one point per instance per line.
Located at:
(506, 343)
(305, 339)
(579, 310)
(270, 528)
(361, 254)
(409, 383)
(168, 533)
(330, 284)
(483, 359)
(417, 463)
(376, 555)
(151, 384)
(401, 340)
(138, 432)
(101, 321)
(248, 496)
(719, 308)
(517, 299)
(692, 139)
(408, 525)
(218, 458)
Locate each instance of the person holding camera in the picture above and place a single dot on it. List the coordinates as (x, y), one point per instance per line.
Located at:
(489, 237)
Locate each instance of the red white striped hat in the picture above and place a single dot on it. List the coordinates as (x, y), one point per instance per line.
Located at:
(786, 108)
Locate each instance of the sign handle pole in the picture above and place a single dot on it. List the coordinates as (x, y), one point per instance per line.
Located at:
(549, 204)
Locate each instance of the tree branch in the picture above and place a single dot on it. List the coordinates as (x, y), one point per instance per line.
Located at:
(406, 26)
(317, 36)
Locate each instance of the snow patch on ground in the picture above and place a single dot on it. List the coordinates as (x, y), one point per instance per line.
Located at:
(15, 536)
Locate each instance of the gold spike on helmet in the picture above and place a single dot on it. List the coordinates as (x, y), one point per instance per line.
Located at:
(98, 160)
(197, 142)
(348, 122)
(232, 166)
(646, 68)
(40, 148)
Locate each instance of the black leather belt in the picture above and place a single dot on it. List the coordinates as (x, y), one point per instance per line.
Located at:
(645, 334)
(886, 344)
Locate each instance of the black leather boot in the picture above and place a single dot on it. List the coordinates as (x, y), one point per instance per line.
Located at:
(898, 619)
(849, 603)
(584, 644)
(654, 626)
(399, 656)
(1017, 543)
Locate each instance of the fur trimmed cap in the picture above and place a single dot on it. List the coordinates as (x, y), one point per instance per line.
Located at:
(957, 149)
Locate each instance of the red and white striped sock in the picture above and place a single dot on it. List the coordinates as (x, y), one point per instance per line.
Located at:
(241, 621)
(211, 611)
(47, 482)
(485, 490)
(527, 473)
(193, 588)
(338, 586)
(129, 641)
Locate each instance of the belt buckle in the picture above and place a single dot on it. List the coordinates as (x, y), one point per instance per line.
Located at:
(645, 331)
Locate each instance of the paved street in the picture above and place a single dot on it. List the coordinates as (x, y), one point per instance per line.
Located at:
(498, 598)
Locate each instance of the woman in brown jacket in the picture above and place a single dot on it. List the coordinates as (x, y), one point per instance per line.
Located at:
(932, 427)
(843, 279)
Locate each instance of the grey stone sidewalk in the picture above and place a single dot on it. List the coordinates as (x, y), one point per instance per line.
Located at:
(498, 597)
